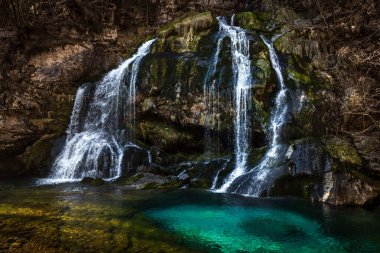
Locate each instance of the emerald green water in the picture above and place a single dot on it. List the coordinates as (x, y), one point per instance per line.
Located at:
(112, 218)
(225, 223)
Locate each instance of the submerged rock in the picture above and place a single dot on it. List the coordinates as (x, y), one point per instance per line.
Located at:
(93, 181)
(144, 180)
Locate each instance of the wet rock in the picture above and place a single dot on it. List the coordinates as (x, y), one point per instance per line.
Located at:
(143, 168)
(249, 20)
(39, 157)
(183, 177)
(307, 156)
(300, 185)
(344, 189)
(368, 148)
(168, 136)
(93, 181)
(201, 174)
(144, 180)
(154, 169)
(147, 105)
(183, 35)
(41, 103)
(133, 158)
(343, 151)
(327, 171)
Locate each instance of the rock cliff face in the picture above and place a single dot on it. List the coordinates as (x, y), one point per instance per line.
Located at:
(43, 64)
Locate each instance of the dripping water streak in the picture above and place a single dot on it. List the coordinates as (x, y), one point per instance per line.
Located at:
(211, 94)
(233, 20)
(281, 107)
(216, 178)
(76, 113)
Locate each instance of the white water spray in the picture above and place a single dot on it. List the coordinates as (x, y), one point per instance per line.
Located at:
(241, 65)
(254, 181)
(96, 137)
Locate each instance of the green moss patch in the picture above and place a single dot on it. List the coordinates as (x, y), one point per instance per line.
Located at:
(184, 34)
(299, 185)
(249, 20)
(343, 151)
(166, 135)
(38, 157)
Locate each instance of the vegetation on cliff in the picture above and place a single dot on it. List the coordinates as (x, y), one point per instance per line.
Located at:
(329, 51)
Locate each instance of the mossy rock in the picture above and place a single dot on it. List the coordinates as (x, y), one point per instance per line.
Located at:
(299, 185)
(343, 151)
(87, 180)
(39, 157)
(170, 185)
(59, 118)
(298, 76)
(249, 20)
(93, 181)
(300, 73)
(134, 178)
(168, 75)
(264, 68)
(256, 155)
(184, 34)
(285, 44)
(182, 26)
(98, 181)
(147, 180)
(201, 183)
(284, 18)
(168, 136)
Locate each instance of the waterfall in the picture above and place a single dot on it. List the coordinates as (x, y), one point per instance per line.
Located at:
(241, 65)
(254, 182)
(281, 107)
(216, 178)
(97, 136)
(211, 93)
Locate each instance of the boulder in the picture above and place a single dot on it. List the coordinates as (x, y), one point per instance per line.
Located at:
(144, 180)
(344, 189)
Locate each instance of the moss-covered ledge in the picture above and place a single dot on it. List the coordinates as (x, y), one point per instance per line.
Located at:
(184, 34)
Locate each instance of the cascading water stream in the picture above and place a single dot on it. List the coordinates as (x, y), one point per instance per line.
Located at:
(253, 182)
(281, 107)
(96, 137)
(215, 180)
(241, 65)
(211, 92)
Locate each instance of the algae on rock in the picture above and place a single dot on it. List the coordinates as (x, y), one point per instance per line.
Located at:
(184, 34)
(343, 151)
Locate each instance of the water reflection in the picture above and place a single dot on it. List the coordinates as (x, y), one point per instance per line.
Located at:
(230, 223)
(111, 218)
